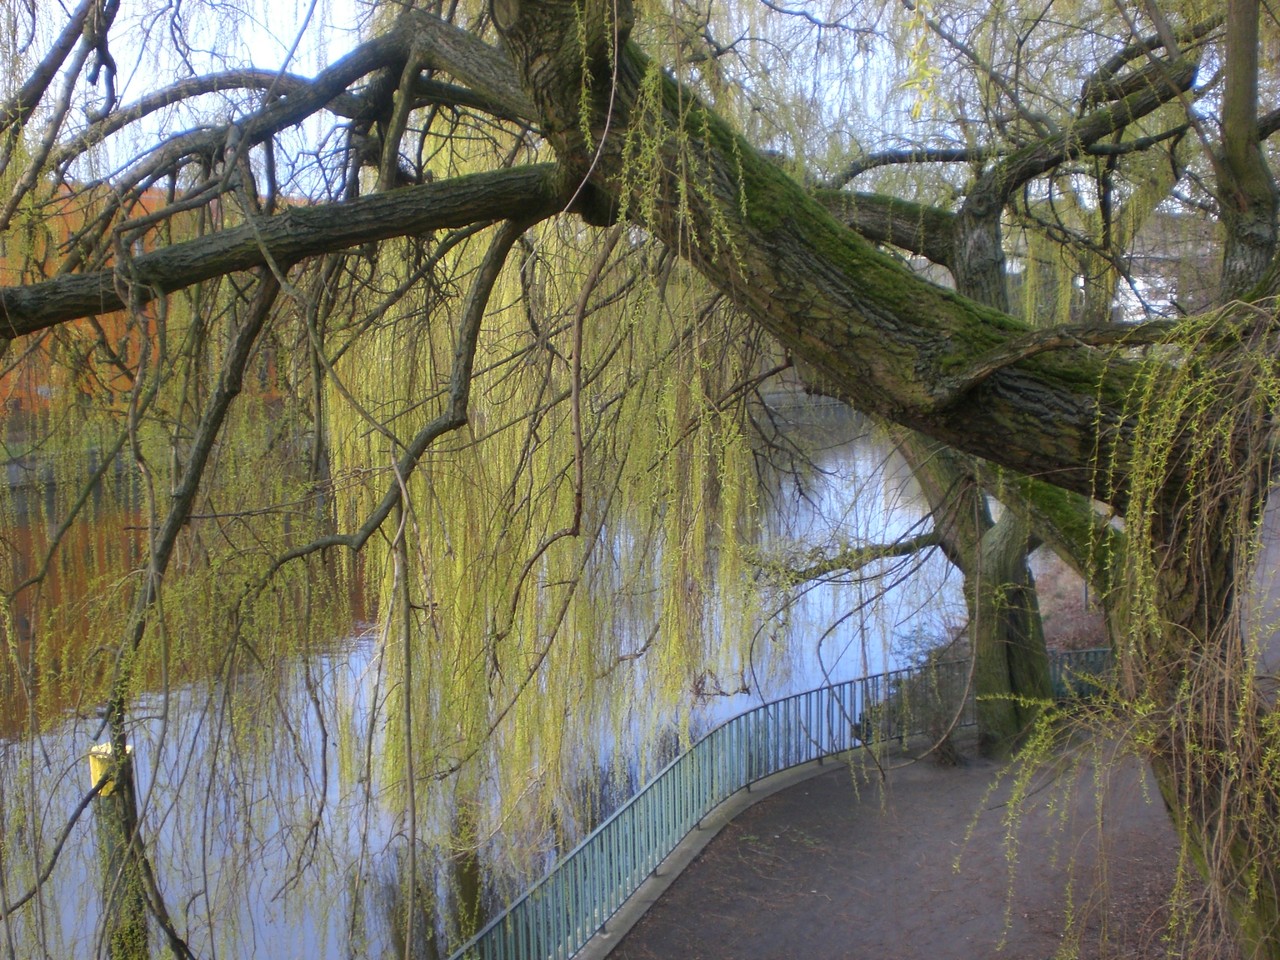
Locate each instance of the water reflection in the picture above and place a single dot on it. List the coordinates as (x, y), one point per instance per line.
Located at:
(276, 829)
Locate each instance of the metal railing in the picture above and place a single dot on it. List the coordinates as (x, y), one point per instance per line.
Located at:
(1075, 673)
(560, 913)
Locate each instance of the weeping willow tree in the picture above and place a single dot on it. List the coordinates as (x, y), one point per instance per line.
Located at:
(493, 286)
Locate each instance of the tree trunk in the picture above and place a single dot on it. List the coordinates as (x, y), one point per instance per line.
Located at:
(1247, 194)
(1011, 668)
(124, 900)
(1012, 654)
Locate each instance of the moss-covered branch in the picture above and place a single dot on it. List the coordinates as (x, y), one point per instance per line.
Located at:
(917, 227)
(1055, 338)
(858, 317)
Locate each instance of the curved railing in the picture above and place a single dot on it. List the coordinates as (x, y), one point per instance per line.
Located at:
(560, 913)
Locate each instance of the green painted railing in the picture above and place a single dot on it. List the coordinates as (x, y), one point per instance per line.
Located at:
(573, 902)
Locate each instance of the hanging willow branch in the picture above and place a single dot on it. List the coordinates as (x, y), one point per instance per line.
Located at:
(453, 417)
(185, 489)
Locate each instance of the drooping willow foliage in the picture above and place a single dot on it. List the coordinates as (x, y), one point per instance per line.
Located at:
(1226, 395)
(1195, 711)
(103, 420)
(563, 539)
(563, 574)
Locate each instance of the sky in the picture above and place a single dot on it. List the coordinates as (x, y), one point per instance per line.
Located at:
(300, 36)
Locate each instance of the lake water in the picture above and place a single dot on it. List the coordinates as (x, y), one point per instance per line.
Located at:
(266, 816)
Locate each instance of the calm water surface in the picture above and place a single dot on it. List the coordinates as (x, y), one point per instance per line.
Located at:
(268, 824)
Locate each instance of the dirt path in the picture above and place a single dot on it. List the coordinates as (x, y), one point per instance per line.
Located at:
(920, 868)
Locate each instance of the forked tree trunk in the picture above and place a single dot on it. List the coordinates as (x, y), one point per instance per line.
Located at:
(1011, 669)
(1011, 666)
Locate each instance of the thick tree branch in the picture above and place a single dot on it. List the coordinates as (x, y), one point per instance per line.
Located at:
(979, 264)
(1104, 86)
(283, 84)
(907, 157)
(953, 387)
(1107, 82)
(386, 50)
(930, 231)
(850, 559)
(286, 238)
(475, 64)
(1268, 124)
(1015, 171)
(434, 43)
(858, 318)
(919, 228)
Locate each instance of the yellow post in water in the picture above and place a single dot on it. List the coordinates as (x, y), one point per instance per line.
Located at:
(102, 763)
(124, 903)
